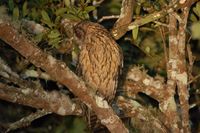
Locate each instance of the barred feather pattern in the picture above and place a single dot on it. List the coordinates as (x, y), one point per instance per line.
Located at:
(100, 58)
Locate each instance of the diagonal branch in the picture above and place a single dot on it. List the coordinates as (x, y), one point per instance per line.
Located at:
(125, 18)
(63, 75)
(157, 15)
(125, 25)
(25, 121)
(51, 101)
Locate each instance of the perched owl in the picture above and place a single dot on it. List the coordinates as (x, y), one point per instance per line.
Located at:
(100, 58)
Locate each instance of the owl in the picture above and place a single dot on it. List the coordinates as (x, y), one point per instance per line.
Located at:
(100, 58)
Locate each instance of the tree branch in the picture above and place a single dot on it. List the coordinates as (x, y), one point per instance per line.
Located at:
(63, 75)
(51, 101)
(143, 116)
(25, 121)
(119, 29)
(182, 75)
(125, 25)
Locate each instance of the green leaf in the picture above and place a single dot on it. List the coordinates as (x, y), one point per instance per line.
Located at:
(82, 2)
(70, 16)
(34, 14)
(157, 6)
(83, 15)
(138, 9)
(53, 34)
(11, 5)
(49, 24)
(60, 11)
(24, 9)
(88, 1)
(16, 13)
(45, 16)
(54, 42)
(90, 8)
(57, 20)
(39, 37)
(74, 55)
(73, 10)
(193, 18)
(195, 30)
(67, 2)
(46, 19)
(196, 9)
(135, 33)
(147, 49)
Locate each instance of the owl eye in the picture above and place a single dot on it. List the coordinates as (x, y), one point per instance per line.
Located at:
(79, 32)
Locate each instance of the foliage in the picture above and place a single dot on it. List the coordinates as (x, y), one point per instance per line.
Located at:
(195, 17)
(49, 13)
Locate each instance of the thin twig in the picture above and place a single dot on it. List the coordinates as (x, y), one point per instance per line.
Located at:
(108, 17)
(164, 45)
(26, 121)
(161, 24)
(195, 78)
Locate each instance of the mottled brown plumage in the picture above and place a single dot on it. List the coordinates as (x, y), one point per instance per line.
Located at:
(100, 58)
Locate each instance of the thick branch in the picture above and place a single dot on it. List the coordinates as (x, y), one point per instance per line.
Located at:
(171, 111)
(176, 69)
(140, 81)
(146, 116)
(182, 76)
(62, 74)
(51, 101)
(137, 80)
(124, 19)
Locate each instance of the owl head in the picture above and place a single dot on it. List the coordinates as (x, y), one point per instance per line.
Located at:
(85, 28)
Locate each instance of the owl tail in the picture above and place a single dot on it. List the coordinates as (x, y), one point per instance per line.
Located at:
(94, 124)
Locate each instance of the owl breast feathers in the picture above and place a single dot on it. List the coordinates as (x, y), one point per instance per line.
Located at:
(100, 58)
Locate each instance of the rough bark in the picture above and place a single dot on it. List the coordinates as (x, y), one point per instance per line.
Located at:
(63, 75)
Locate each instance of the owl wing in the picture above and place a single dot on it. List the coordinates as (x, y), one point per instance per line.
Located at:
(100, 61)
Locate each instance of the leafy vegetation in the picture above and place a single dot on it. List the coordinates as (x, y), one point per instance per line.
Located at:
(49, 14)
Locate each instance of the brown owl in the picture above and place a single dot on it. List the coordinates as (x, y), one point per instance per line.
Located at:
(100, 58)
